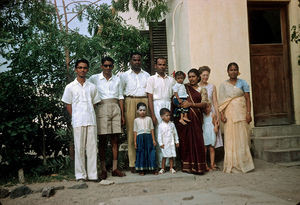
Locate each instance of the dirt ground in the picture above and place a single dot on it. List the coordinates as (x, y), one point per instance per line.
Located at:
(270, 179)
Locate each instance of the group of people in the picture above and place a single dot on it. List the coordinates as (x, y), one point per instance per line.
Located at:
(161, 114)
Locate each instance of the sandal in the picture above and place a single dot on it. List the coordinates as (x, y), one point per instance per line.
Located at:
(215, 168)
(172, 171)
(162, 171)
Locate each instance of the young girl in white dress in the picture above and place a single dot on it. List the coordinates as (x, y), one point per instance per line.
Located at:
(210, 129)
(167, 139)
(144, 141)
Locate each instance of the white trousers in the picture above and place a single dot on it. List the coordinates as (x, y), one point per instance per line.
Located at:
(85, 141)
(157, 106)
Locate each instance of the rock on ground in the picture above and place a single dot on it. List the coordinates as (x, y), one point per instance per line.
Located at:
(20, 191)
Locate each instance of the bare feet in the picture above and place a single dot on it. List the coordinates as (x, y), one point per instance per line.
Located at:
(182, 121)
(207, 168)
(141, 173)
(214, 167)
(117, 173)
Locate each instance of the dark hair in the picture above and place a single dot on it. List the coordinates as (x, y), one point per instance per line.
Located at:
(159, 57)
(82, 61)
(196, 71)
(107, 58)
(134, 54)
(204, 68)
(179, 73)
(140, 104)
(232, 64)
(164, 111)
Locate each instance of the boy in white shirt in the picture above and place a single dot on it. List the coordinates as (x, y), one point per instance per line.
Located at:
(80, 97)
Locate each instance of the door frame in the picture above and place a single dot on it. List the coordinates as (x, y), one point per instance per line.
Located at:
(283, 5)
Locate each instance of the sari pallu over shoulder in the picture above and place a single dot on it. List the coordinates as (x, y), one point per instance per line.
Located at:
(192, 152)
(236, 130)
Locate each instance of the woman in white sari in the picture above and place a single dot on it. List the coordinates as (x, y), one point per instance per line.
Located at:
(235, 109)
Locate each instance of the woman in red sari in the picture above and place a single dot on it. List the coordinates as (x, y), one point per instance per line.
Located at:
(192, 151)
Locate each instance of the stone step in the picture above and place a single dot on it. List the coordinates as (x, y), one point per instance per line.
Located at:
(282, 155)
(270, 131)
(264, 143)
(289, 164)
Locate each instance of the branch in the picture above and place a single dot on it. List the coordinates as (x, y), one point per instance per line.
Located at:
(66, 17)
(58, 16)
(76, 2)
(82, 10)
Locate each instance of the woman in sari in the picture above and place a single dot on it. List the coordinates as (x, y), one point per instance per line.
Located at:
(191, 142)
(235, 109)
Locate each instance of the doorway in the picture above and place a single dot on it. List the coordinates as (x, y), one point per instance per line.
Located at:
(270, 64)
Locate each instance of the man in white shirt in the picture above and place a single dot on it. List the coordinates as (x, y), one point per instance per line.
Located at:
(80, 97)
(109, 112)
(159, 90)
(134, 83)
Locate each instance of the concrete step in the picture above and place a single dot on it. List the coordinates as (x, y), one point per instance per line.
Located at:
(282, 155)
(263, 143)
(270, 131)
(289, 164)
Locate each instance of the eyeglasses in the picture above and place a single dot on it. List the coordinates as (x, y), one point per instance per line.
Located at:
(108, 66)
(79, 67)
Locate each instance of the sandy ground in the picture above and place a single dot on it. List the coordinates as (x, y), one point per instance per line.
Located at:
(268, 184)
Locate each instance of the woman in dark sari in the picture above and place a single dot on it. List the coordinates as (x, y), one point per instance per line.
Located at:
(192, 151)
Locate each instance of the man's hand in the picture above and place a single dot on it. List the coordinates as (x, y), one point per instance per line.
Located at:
(162, 146)
(154, 120)
(177, 145)
(122, 120)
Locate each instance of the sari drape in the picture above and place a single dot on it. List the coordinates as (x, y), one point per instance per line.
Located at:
(236, 130)
(191, 143)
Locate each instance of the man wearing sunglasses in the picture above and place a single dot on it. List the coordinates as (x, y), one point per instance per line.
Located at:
(109, 112)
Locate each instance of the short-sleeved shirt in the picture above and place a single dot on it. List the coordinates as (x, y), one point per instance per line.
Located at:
(160, 87)
(134, 84)
(108, 89)
(143, 125)
(82, 98)
(243, 85)
(180, 89)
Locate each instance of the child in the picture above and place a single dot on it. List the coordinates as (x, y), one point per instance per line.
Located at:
(144, 141)
(210, 129)
(80, 97)
(180, 95)
(167, 139)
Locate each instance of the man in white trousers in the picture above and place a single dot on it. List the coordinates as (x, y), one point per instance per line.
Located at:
(159, 90)
(80, 97)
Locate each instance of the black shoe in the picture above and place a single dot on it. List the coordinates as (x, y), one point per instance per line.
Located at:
(132, 170)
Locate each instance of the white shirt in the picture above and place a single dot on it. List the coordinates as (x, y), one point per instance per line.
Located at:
(108, 89)
(180, 90)
(167, 134)
(161, 88)
(134, 84)
(143, 125)
(82, 98)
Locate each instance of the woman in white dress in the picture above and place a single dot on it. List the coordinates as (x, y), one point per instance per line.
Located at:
(212, 97)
